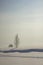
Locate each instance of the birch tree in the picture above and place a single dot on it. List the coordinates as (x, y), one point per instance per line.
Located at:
(16, 41)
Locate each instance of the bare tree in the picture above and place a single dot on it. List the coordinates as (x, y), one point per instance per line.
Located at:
(16, 41)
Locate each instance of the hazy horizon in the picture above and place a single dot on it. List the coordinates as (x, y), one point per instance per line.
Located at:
(24, 17)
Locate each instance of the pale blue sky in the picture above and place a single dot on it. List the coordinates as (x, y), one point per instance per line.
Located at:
(24, 17)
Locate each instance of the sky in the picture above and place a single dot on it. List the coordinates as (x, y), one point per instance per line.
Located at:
(22, 17)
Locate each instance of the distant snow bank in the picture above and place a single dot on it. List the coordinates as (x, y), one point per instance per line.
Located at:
(33, 54)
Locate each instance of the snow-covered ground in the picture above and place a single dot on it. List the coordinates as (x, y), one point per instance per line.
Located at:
(32, 58)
